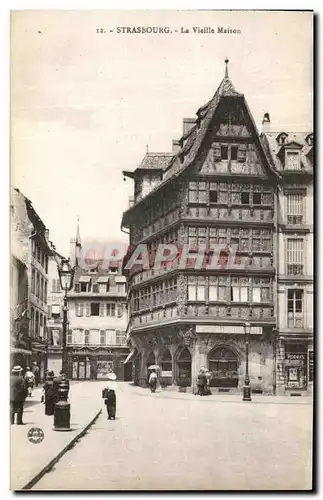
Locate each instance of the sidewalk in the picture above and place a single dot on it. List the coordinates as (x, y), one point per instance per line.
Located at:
(222, 398)
(29, 459)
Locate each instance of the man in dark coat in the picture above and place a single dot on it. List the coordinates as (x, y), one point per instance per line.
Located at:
(110, 401)
(18, 394)
(201, 382)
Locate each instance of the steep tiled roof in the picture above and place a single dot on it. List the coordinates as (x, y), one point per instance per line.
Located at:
(155, 161)
(192, 140)
(273, 148)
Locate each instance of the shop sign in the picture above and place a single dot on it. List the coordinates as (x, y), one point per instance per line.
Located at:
(294, 362)
(166, 373)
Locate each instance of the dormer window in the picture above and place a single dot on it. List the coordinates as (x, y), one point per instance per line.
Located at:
(292, 160)
(309, 140)
(281, 138)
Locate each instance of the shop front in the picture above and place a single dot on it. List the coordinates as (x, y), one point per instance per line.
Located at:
(223, 365)
(296, 366)
(97, 366)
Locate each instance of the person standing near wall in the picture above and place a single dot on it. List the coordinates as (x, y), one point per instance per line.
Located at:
(18, 393)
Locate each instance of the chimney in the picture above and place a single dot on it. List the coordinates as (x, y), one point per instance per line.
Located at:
(176, 147)
(188, 123)
(131, 201)
(266, 123)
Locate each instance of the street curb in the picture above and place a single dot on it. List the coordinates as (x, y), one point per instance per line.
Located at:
(206, 400)
(51, 464)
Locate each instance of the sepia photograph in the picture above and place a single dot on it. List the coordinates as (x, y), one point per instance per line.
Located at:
(161, 250)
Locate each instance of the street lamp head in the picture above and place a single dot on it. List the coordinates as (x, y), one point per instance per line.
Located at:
(66, 275)
(247, 327)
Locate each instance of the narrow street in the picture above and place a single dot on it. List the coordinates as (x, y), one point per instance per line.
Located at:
(161, 443)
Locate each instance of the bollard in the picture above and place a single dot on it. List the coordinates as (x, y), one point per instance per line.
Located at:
(62, 413)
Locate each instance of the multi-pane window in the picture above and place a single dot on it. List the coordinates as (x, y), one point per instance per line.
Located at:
(86, 337)
(170, 290)
(295, 308)
(79, 309)
(239, 290)
(292, 160)
(111, 337)
(95, 309)
(197, 288)
(295, 208)
(121, 337)
(197, 192)
(196, 237)
(69, 337)
(295, 263)
(111, 309)
(245, 198)
(77, 287)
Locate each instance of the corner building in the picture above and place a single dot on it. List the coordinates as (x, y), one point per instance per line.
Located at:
(217, 187)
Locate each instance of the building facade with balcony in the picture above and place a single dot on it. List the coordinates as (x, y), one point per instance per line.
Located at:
(30, 240)
(292, 154)
(217, 188)
(97, 317)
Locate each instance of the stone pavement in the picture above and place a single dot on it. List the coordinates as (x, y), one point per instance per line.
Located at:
(223, 398)
(29, 459)
(162, 443)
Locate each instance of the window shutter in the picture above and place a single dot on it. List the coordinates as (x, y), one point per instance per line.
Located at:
(119, 310)
(87, 309)
(77, 287)
(101, 310)
(242, 153)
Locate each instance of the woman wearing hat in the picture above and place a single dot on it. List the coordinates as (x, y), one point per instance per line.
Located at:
(50, 394)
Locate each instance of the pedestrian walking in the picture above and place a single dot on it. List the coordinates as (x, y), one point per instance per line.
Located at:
(208, 376)
(30, 380)
(153, 381)
(36, 374)
(18, 393)
(201, 382)
(50, 394)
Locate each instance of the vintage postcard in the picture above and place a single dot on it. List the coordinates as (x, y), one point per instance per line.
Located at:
(161, 250)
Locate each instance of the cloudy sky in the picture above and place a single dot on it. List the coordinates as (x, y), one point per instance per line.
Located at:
(84, 105)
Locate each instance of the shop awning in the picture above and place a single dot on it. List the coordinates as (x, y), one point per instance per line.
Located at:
(84, 279)
(120, 279)
(128, 358)
(103, 279)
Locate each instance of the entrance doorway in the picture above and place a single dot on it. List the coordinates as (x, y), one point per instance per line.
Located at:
(184, 368)
(223, 365)
(166, 368)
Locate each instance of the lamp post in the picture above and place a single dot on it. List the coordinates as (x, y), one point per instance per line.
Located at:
(246, 386)
(62, 413)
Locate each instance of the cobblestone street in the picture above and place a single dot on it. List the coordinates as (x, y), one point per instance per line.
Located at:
(193, 443)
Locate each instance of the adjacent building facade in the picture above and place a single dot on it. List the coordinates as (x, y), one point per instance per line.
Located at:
(292, 154)
(97, 317)
(220, 186)
(30, 249)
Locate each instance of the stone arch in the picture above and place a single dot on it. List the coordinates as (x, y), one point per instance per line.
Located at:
(223, 363)
(184, 367)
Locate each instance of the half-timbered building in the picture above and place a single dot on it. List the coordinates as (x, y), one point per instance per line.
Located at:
(216, 189)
